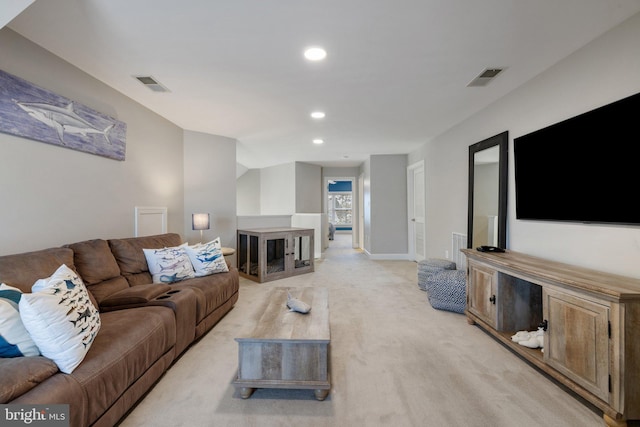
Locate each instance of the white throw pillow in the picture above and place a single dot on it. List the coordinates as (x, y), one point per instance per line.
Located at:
(15, 341)
(60, 317)
(207, 258)
(168, 265)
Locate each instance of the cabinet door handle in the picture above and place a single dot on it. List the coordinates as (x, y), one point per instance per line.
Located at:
(492, 299)
(543, 325)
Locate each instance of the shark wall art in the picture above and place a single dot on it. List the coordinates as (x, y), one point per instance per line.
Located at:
(32, 112)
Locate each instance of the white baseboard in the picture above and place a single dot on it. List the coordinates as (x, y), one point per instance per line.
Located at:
(389, 257)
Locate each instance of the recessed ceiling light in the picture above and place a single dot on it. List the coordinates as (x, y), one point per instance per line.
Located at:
(318, 141)
(315, 53)
(318, 114)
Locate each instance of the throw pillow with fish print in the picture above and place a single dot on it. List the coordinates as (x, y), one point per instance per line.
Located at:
(15, 341)
(168, 265)
(207, 258)
(60, 317)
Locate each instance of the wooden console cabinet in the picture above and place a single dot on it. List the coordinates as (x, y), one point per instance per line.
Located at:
(274, 253)
(592, 321)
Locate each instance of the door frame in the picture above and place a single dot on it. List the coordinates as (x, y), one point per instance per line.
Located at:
(360, 242)
(354, 205)
(411, 169)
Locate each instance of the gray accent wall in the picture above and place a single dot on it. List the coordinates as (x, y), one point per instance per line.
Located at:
(385, 204)
(308, 184)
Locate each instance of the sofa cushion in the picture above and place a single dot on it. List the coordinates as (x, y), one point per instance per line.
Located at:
(58, 389)
(61, 318)
(211, 291)
(98, 268)
(94, 261)
(22, 270)
(131, 259)
(130, 341)
(134, 296)
(15, 341)
(19, 375)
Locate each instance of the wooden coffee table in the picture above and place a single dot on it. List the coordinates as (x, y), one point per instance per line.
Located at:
(287, 349)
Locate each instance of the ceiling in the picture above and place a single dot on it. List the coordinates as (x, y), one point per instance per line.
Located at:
(395, 76)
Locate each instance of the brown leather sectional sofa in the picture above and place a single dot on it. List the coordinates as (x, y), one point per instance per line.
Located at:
(144, 326)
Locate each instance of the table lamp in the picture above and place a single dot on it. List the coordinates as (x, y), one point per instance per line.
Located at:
(200, 221)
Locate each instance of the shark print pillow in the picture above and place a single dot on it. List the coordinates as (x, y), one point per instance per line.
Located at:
(207, 258)
(168, 265)
(14, 338)
(60, 317)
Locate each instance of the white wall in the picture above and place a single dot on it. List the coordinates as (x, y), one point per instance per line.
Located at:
(248, 193)
(320, 227)
(278, 190)
(209, 187)
(12, 8)
(52, 195)
(263, 221)
(281, 190)
(604, 71)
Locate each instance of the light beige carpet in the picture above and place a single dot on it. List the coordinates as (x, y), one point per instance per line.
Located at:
(395, 361)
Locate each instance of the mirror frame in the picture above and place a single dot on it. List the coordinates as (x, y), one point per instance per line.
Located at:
(501, 140)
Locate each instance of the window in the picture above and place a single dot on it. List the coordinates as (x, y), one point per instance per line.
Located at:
(340, 209)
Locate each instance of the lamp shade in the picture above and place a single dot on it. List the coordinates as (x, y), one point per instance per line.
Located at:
(200, 221)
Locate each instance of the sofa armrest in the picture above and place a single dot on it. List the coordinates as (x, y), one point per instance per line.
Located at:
(18, 375)
(134, 296)
(183, 302)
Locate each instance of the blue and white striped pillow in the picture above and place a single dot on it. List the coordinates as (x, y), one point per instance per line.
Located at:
(15, 341)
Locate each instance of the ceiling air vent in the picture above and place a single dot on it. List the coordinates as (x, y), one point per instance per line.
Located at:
(485, 77)
(151, 83)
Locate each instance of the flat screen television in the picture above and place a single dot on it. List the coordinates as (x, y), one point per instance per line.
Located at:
(584, 169)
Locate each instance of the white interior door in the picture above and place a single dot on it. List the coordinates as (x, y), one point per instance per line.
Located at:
(361, 212)
(416, 209)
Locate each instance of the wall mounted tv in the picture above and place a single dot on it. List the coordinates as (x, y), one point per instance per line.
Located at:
(584, 169)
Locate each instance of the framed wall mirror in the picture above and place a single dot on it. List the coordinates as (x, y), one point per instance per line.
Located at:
(487, 208)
